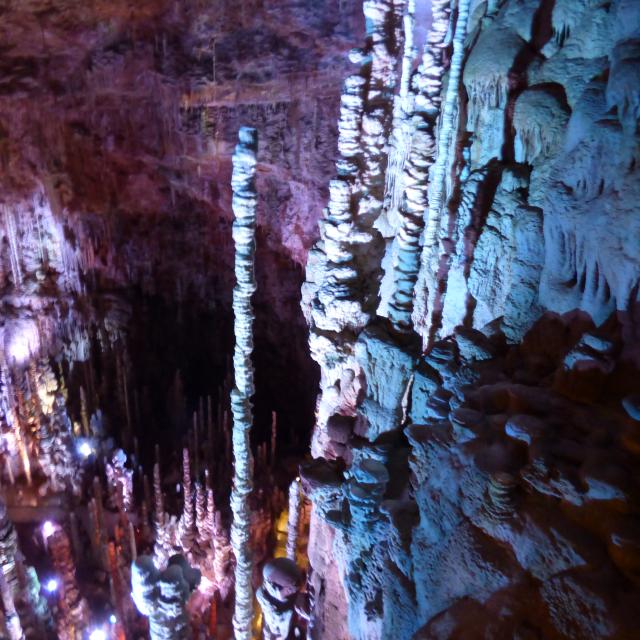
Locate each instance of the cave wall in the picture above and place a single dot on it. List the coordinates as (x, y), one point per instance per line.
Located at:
(476, 475)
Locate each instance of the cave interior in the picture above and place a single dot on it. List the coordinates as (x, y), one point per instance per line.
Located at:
(319, 319)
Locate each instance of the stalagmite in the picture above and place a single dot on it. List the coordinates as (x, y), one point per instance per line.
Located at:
(437, 185)
(74, 612)
(120, 481)
(293, 524)
(12, 620)
(222, 558)
(402, 130)
(422, 155)
(186, 529)
(162, 596)
(277, 595)
(340, 295)
(244, 208)
(201, 515)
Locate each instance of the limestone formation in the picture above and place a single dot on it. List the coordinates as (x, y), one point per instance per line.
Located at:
(293, 524)
(423, 150)
(244, 207)
(281, 581)
(162, 596)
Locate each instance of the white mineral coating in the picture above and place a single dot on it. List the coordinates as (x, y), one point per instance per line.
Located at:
(244, 228)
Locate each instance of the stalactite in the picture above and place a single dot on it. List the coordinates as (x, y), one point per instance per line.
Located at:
(244, 209)
(8, 409)
(293, 524)
(414, 201)
(14, 247)
(429, 256)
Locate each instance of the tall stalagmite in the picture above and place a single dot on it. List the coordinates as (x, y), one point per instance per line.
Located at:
(244, 229)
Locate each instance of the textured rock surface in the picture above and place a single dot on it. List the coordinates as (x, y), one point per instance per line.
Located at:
(484, 486)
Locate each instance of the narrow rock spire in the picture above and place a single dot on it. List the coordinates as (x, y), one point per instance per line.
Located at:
(293, 523)
(244, 227)
(437, 200)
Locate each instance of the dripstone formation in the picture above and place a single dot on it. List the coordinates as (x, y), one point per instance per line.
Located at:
(441, 366)
(476, 437)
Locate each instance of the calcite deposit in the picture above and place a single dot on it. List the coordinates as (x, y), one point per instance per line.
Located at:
(476, 438)
(319, 319)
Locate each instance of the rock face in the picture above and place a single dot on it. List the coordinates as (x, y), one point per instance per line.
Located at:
(477, 430)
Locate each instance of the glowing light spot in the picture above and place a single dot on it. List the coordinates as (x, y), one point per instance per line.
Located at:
(51, 585)
(48, 529)
(112, 618)
(23, 340)
(98, 634)
(85, 449)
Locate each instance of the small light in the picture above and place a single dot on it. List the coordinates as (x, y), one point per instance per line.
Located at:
(51, 585)
(85, 449)
(48, 529)
(98, 634)
(112, 618)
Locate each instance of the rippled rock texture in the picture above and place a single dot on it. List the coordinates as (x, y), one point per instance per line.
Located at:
(476, 442)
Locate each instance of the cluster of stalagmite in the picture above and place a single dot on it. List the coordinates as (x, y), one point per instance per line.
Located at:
(198, 535)
(39, 436)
